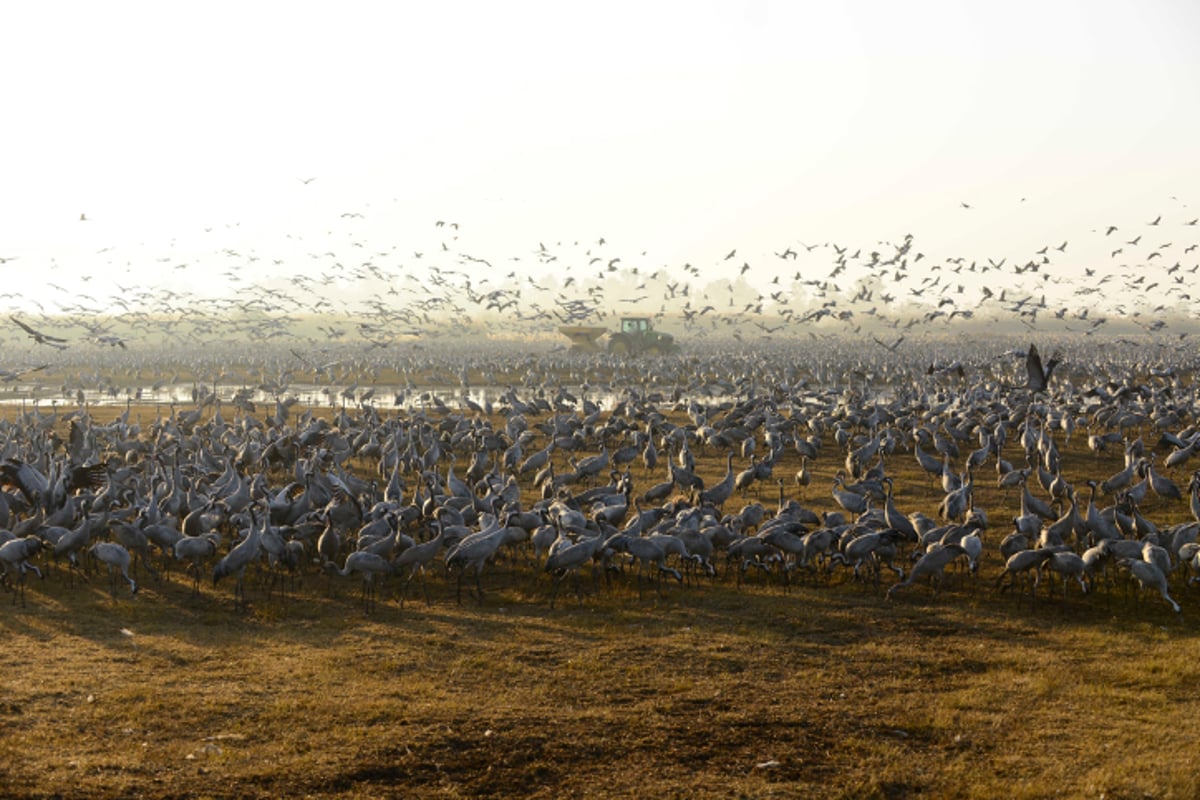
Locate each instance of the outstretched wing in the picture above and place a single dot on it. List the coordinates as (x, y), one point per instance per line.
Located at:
(93, 476)
(1051, 364)
(24, 327)
(38, 335)
(1033, 366)
(302, 359)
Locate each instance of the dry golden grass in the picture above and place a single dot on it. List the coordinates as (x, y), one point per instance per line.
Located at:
(703, 691)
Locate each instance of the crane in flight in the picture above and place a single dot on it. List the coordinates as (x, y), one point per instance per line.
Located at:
(41, 338)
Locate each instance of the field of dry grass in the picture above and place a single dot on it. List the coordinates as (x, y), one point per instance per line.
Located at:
(707, 690)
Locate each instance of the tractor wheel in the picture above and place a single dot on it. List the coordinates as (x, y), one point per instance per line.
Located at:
(619, 345)
(653, 350)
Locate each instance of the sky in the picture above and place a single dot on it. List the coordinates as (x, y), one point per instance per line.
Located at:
(228, 137)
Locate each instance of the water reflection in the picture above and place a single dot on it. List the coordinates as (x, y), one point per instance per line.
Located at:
(397, 397)
(383, 398)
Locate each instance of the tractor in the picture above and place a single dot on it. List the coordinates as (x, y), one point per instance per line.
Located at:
(636, 337)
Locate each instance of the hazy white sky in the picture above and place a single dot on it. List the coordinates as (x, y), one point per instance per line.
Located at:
(683, 129)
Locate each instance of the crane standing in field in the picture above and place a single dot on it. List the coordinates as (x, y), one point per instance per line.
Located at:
(1150, 577)
(567, 560)
(370, 566)
(474, 551)
(417, 558)
(195, 550)
(717, 494)
(116, 558)
(15, 555)
(646, 553)
(931, 565)
(238, 559)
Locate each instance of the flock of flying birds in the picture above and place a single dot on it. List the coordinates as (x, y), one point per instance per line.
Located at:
(347, 291)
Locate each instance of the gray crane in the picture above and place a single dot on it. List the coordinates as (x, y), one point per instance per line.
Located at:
(718, 493)
(195, 550)
(1068, 565)
(931, 565)
(1150, 577)
(369, 565)
(329, 545)
(566, 561)
(239, 558)
(474, 551)
(1021, 563)
(416, 558)
(116, 558)
(15, 555)
(646, 553)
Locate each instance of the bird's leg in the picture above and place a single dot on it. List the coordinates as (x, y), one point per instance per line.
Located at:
(146, 564)
(1001, 586)
(84, 572)
(609, 568)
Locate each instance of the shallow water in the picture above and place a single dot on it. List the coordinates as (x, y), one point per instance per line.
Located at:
(382, 397)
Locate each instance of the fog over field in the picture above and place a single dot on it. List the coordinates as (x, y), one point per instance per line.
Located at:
(755, 172)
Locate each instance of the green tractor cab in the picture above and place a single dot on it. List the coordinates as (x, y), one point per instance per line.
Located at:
(636, 337)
